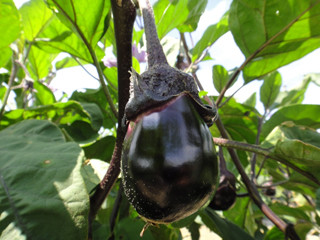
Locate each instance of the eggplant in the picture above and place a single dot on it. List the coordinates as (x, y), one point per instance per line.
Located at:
(225, 196)
(169, 165)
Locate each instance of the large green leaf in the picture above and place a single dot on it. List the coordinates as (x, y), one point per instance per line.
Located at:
(93, 172)
(96, 96)
(60, 112)
(274, 33)
(101, 149)
(270, 89)
(283, 210)
(56, 38)
(42, 193)
(298, 146)
(9, 23)
(183, 14)
(301, 114)
(223, 227)
(240, 121)
(35, 16)
(85, 18)
(298, 153)
(212, 34)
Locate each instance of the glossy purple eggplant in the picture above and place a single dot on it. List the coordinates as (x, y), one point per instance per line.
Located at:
(169, 165)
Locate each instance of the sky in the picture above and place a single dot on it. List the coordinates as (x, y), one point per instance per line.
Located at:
(224, 52)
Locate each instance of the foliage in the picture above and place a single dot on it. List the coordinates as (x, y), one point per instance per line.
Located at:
(53, 152)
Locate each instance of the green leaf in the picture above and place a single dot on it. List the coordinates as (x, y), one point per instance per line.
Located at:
(273, 34)
(240, 121)
(42, 193)
(56, 38)
(35, 16)
(210, 36)
(194, 230)
(270, 89)
(183, 14)
(60, 112)
(3, 91)
(291, 131)
(224, 228)
(303, 155)
(44, 95)
(101, 149)
(169, 15)
(9, 23)
(82, 130)
(165, 232)
(171, 48)
(251, 101)
(85, 18)
(196, 10)
(220, 77)
(283, 210)
(68, 62)
(5, 54)
(274, 234)
(298, 146)
(130, 229)
(318, 199)
(315, 77)
(238, 213)
(111, 75)
(96, 117)
(300, 114)
(40, 63)
(93, 172)
(293, 96)
(97, 96)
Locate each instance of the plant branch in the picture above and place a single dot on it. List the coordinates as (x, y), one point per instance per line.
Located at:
(252, 190)
(124, 13)
(264, 152)
(94, 59)
(115, 209)
(13, 74)
(185, 46)
(102, 82)
(253, 55)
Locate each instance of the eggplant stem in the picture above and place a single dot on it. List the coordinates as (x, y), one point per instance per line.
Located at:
(154, 48)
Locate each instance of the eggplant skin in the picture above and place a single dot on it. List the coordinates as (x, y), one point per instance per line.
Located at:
(169, 165)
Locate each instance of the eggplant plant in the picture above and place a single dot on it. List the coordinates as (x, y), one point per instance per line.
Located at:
(169, 165)
(150, 150)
